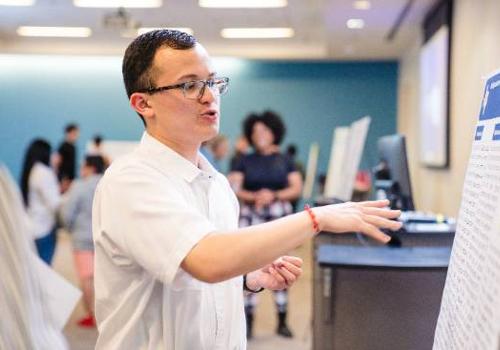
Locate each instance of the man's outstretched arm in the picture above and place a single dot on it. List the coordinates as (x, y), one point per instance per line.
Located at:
(222, 255)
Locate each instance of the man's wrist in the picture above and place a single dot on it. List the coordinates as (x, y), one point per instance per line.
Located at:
(313, 218)
(319, 217)
(249, 287)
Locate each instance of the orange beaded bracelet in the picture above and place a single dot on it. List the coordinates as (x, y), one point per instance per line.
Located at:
(313, 218)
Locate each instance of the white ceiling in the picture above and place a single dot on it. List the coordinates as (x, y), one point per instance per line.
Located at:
(319, 25)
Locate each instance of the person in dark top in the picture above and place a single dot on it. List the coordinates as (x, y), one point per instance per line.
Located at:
(241, 148)
(67, 157)
(265, 182)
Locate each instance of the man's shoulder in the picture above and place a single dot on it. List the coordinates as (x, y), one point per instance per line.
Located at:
(133, 166)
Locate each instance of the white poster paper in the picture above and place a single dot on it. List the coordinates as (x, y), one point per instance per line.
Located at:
(470, 308)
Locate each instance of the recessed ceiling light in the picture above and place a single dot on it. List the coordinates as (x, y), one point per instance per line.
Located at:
(145, 30)
(242, 3)
(362, 5)
(118, 3)
(355, 23)
(17, 2)
(257, 33)
(72, 32)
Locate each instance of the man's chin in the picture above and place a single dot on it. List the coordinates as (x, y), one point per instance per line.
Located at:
(214, 131)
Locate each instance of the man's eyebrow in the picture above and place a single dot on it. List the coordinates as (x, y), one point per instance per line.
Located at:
(188, 77)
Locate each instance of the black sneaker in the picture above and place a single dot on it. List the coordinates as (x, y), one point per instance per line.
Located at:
(284, 331)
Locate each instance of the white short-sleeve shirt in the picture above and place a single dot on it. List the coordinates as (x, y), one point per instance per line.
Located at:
(150, 208)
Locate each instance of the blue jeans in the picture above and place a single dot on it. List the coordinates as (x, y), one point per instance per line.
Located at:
(46, 246)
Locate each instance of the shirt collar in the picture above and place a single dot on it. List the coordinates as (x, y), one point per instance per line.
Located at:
(171, 161)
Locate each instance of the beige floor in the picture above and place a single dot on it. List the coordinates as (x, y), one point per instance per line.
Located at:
(265, 338)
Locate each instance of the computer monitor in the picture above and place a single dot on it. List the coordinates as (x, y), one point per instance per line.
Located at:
(392, 174)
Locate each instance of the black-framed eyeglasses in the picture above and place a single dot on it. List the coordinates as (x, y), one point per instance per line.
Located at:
(195, 89)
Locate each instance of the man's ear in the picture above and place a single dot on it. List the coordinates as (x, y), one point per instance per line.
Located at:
(140, 103)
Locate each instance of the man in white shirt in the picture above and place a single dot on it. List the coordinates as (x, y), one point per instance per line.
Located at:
(169, 256)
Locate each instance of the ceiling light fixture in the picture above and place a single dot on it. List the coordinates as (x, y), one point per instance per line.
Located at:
(257, 33)
(362, 5)
(243, 3)
(355, 23)
(118, 3)
(147, 29)
(72, 32)
(17, 2)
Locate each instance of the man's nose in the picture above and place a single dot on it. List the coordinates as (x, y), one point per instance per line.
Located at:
(208, 94)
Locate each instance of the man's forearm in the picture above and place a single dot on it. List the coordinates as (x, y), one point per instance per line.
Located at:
(224, 255)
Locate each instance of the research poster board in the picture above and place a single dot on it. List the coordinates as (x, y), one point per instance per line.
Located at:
(334, 175)
(352, 157)
(347, 148)
(312, 163)
(470, 308)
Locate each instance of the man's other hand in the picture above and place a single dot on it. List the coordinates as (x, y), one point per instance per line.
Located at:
(280, 274)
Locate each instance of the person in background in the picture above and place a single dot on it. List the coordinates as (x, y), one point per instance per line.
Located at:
(66, 160)
(266, 181)
(96, 149)
(291, 152)
(76, 216)
(219, 148)
(215, 150)
(207, 153)
(241, 147)
(41, 196)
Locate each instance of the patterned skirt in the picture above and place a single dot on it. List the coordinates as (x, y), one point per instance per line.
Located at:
(249, 215)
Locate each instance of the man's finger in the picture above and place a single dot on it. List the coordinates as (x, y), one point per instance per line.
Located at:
(378, 204)
(388, 214)
(292, 268)
(276, 275)
(287, 275)
(372, 231)
(382, 222)
(293, 260)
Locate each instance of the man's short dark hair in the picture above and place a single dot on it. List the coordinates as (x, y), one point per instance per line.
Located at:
(270, 119)
(96, 162)
(137, 67)
(70, 127)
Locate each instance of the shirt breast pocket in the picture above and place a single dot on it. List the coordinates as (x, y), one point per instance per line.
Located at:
(225, 215)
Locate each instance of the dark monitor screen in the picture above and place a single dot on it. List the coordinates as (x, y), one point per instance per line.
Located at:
(394, 161)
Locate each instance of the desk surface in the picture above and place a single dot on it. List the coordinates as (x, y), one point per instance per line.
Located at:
(405, 257)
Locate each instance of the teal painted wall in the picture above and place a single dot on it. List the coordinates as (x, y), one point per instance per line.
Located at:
(39, 95)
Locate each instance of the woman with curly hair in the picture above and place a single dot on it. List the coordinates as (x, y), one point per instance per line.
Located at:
(265, 182)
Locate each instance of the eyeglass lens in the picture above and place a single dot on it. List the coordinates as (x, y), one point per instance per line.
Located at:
(194, 90)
